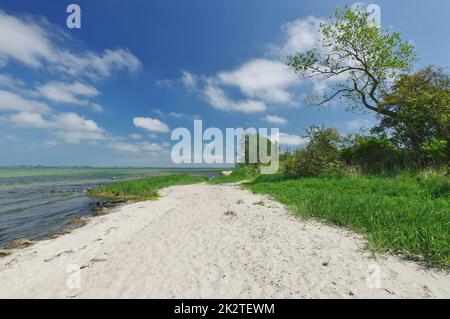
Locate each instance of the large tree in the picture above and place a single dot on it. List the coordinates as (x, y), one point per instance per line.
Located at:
(421, 102)
(357, 59)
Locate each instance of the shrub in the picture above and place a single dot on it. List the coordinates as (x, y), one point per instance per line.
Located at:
(373, 154)
(436, 151)
(321, 156)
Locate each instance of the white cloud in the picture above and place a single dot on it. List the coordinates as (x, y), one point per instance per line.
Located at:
(143, 147)
(260, 81)
(267, 80)
(97, 108)
(292, 140)
(23, 40)
(189, 80)
(263, 81)
(274, 119)
(124, 147)
(300, 35)
(67, 92)
(96, 66)
(10, 101)
(219, 100)
(73, 128)
(75, 93)
(152, 125)
(31, 42)
(73, 121)
(29, 119)
(10, 82)
(152, 147)
(70, 127)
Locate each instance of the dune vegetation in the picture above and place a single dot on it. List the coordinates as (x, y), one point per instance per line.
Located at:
(144, 188)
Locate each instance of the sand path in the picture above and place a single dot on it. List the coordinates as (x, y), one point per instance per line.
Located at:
(204, 241)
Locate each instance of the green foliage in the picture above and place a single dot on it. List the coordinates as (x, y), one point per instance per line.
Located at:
(436, 151)
(372, 154)
(143, 189)
(421, 103)
(320, 156)
(361, 58)
(407, 215)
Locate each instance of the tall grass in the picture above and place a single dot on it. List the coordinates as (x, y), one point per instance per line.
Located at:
(143, 189)
(407, 215)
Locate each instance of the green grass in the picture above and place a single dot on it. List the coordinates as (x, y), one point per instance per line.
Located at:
(239, 174)
(406, 215)
(144, 188)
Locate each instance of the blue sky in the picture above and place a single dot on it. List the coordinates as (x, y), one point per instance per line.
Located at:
(109, 94)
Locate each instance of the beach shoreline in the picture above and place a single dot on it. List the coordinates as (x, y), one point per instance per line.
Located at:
(210, 241)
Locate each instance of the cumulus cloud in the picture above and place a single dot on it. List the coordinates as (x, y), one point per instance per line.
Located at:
(152, 147)
(261, 81)
(274, 119)
(70, 127)
(189, 80)
(97, 108)
(74, 128)
(221, 101)
(152, 125)
(10, 82)
(142, 147)
(67, 92)
(124, 147)
(291, 140)
(29, 119)
(267, 80)
(300, 35)
(10, 101)
(37, 44)
(24, 41)
(29, 41)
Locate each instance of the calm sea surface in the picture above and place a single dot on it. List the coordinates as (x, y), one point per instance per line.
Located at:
(35, 202)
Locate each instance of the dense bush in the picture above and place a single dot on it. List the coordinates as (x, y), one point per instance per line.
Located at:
(321, 156)
(420, 103)
(436, 151)
(373, 154)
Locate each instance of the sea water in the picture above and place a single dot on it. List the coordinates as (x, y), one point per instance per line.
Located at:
(35, 202)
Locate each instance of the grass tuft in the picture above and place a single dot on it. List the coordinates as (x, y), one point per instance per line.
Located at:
(144, 188)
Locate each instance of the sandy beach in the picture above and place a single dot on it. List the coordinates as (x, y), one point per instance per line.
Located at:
(206, 241)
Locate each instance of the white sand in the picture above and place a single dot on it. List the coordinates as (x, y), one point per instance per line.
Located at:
(186, 245)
